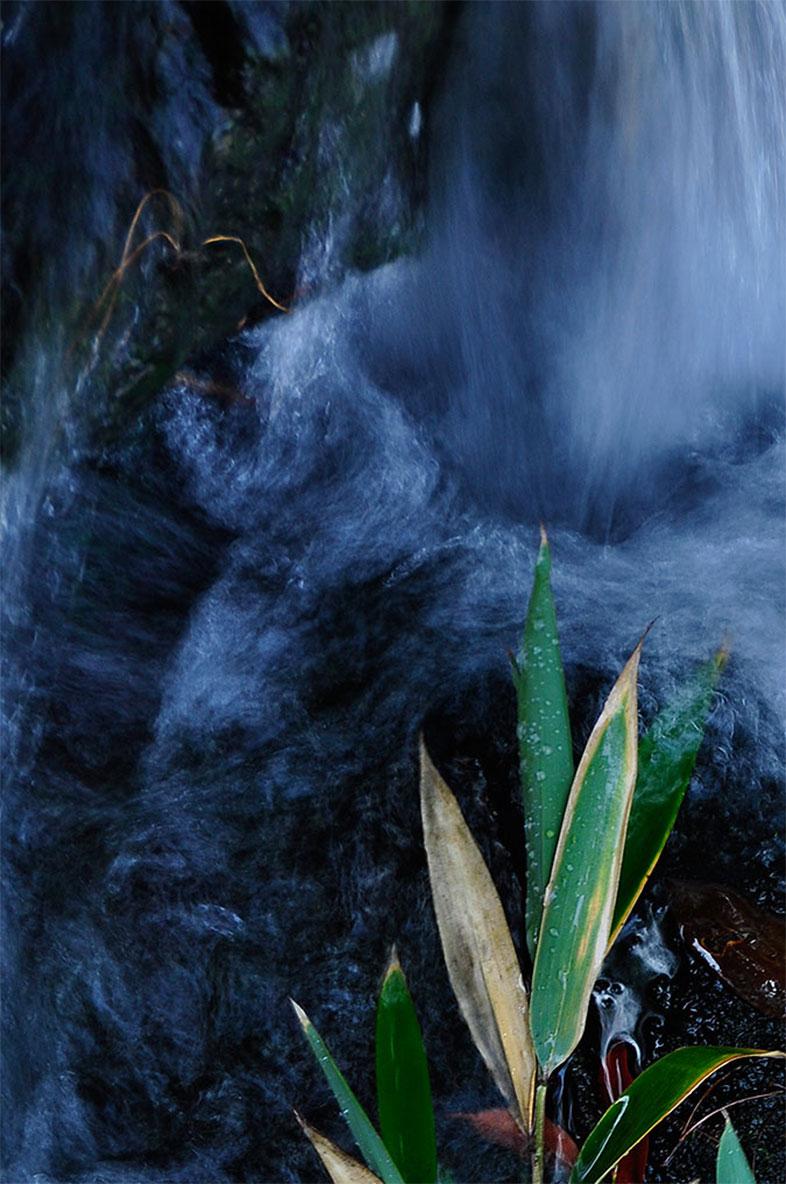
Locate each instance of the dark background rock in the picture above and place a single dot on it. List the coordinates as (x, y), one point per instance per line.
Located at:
(264, 121)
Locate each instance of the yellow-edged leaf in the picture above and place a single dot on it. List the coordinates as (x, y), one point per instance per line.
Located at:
(649, 1099)
(667, 754)
(479, 953)
(341, 1168)
(581, 893)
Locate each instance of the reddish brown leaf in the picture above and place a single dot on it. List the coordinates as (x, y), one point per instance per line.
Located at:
(744, 945)
(615, 1078)
(500, 1127)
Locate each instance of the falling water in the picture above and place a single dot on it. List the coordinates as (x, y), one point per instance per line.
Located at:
(227, 629)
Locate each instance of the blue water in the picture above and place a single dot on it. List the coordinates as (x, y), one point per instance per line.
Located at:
(225, 631)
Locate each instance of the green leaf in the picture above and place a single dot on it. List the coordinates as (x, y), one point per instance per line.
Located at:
(667, 755)
(579, 900)
(646, 1102)
(369, 1143)
(406, 1115)
(545, 749)
(731, 1166)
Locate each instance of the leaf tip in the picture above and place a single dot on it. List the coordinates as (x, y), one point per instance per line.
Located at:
(305, 1022)
(422, 751)
(429, 777)
(393, 965)
(627, 679)
(543, 561)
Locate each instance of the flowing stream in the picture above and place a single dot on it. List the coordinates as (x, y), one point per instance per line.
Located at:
(226, 626)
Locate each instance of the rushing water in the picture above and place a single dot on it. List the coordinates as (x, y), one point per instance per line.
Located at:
(226, 631)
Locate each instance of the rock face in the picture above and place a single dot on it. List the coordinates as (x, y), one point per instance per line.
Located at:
(284, 125)
(296, 128)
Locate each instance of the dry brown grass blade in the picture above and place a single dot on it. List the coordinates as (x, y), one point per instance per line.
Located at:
(174, 239)
(688, 1130)
(341, 1168)
(214, 390)
(177, 216)
(479, 953)
(128, 257)
(113, 285)
(231, 238)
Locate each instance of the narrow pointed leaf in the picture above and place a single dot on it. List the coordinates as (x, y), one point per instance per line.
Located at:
(646, 1102)
(667, 755)
(369, 1143)
(476, 942)
(406, 1115)
(341, 1168)
(545, 750)
(731, 1166)
(579, 901)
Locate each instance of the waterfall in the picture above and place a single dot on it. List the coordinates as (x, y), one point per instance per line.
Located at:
(228, 621)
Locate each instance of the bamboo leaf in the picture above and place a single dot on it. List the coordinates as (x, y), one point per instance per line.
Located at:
(667, 755)
(476, 942)
(406, 1114)
(545, 748)
(341, 1168)
(646, 1102)
(369, 1143)
(579, 901)
(731, 1166)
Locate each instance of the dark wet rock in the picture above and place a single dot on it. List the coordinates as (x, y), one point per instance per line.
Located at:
(283, 125)
(745, 946)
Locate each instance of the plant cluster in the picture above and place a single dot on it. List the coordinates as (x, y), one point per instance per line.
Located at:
(593, 837)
